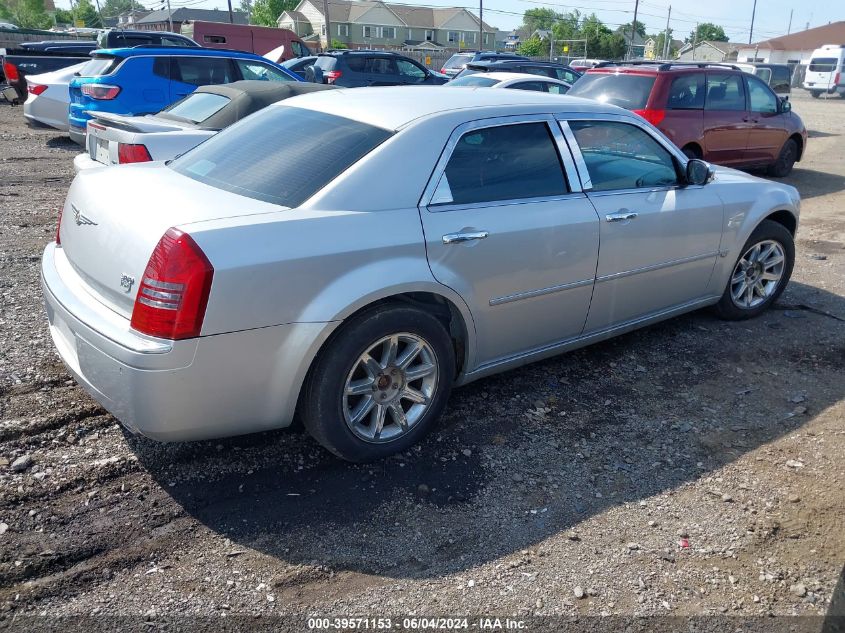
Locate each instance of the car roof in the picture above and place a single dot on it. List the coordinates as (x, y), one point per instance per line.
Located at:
(503, 76)
(171, 51)
(494, 63)
(653, 68)
(397, 106)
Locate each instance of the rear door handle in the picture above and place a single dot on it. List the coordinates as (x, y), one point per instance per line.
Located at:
(458, 238)
(620, 217)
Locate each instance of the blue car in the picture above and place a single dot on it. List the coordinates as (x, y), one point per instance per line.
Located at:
(145, 80)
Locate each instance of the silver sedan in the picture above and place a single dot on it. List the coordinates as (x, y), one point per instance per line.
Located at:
(352, 255)
(48, 97)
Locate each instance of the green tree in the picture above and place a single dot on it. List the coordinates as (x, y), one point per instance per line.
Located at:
(626, 28)
(87, 14)
(338, 45)
(532, 47)
(542, 19)
(246, 7)
(602, 43)
(660, 42)
(708, 31)
(266, 12)
(27, 14)
(113, 8)
(64, 16)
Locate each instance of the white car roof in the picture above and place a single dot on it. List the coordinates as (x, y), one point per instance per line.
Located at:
(510, 77)
(396, 106)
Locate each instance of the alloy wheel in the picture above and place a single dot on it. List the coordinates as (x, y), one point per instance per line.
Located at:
(757, 274)
(390, 387)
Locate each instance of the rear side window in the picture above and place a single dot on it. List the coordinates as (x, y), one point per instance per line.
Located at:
(99, 66)
(198, 106)
(725, 92)
(537, 86)
(456, 61)
(543, 71)
(203, 71)
(823, 64)
(479, 81)
(625, 90)
(507, 162)
(281, 155)
(686, 92)
(259, 71)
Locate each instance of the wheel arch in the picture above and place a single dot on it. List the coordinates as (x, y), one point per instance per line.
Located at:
(695, 147)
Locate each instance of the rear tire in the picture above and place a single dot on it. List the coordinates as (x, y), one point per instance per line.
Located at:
(380, 384)
(758, 269)
(786, 160)
(815, 94)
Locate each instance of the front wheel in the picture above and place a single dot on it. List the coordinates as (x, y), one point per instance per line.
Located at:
(782, 167)
(380, 384)
(760, 274)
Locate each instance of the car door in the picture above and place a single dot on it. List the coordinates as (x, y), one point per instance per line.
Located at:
(767, 132)
(188, 72)
(382, 71)
(726, 119)
(659, 238)
(508, 228)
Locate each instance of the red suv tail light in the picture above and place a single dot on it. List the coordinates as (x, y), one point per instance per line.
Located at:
(836, 79)
(36, 89)
(173, 292)
(128, 153)
(102, 92)
(332, 75)
(11, 71)
(652, 116)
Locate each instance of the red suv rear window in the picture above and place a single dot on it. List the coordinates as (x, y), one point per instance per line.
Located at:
(623, 89)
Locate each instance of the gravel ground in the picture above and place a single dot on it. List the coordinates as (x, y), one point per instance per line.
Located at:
(692, 468)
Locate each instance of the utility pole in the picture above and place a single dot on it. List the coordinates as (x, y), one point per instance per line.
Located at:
(480, 25)
(751, 32)
(666, 37)
(634, 28)
(328, 24)
(231, 15)
(789, 28)
(170, 16)
(694, 40)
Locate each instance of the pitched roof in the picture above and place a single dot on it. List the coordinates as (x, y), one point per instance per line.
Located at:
(833, 33)
(184, 15)
(722, 47)
(416, 17)
(296, 15)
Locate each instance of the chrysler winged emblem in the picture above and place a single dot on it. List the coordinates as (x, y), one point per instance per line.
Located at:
(80, 218)
(126, 282)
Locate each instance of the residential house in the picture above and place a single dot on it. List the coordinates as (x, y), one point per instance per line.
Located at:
(650, 52)
(796, 48)
(635, 50)
(380, 25)
(513, 40)
(127, 19)
(160, 20)
(709, 51)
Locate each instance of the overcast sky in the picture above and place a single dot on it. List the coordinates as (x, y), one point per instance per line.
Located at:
(772, 17)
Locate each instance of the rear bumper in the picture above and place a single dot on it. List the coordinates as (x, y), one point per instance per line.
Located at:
(83, 162)
(202, 388)
(77, 134)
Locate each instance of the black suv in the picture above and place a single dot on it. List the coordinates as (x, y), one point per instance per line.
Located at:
(544, 69)
(355, 69)
(457, 62)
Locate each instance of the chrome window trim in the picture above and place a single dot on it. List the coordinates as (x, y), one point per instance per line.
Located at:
(568, 167)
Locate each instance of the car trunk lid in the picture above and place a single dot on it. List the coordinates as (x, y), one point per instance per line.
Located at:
(107, 131)
(113, 218)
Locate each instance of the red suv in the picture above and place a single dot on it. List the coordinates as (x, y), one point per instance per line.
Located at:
(712, 111)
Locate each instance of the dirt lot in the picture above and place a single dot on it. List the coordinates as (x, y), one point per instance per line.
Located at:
(695, 467)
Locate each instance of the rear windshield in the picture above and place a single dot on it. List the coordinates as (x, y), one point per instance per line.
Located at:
(823, 64)
(198, 106)
(625, 90)
(98, 66)
(473, 80)
(456, 61)
(282, 155)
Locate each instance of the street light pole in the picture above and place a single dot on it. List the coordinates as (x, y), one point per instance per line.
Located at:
(666, 48)
(328, 24)
(481, 25)
(751, 32)
(633, 29)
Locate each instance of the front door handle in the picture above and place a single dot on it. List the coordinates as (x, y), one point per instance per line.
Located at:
(620, 217)
(458, 238)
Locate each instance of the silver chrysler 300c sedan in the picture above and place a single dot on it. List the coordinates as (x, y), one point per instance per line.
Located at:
(351, 255)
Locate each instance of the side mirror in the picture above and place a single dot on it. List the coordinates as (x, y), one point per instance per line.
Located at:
(699, 172)
(785, 105)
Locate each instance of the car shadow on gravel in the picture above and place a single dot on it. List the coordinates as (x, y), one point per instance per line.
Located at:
(812, 183)
(527, 454)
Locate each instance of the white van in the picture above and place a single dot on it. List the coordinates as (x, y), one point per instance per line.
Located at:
(825, 72)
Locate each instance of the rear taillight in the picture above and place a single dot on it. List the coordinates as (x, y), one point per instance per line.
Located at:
(332, 76)
(652, 116)
(102, 92)
(59, 227)
(443, 70)
(836, 79)
(174, 290)
(36, 89)
(11, 71)
(127, 153)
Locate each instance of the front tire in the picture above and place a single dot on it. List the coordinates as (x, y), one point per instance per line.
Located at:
(782, 167)
(380, 384)
(760, 274)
